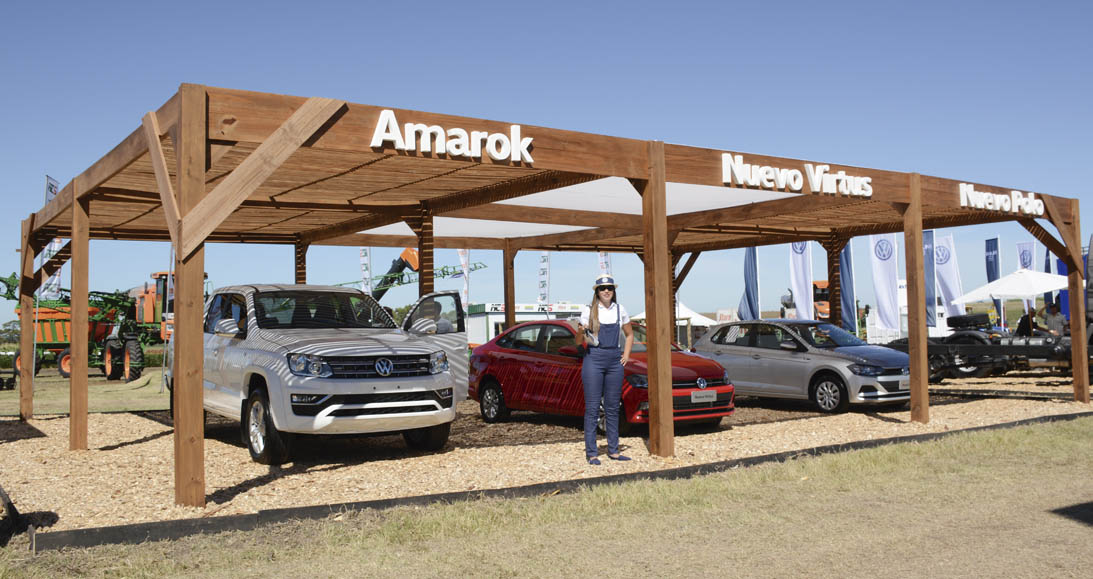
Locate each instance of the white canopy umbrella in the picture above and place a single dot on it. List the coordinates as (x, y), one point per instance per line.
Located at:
(1022, 284)
(683, 314)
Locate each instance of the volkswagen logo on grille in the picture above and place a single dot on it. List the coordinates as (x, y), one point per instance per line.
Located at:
(384, 366)
(701, 383)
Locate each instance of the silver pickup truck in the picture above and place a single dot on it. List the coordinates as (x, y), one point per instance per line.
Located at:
(287, 360)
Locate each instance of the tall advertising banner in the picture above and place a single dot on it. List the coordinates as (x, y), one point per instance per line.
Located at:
(749, 302)
(1063, 297)
(885, 279)
(465, 263)
(929, 267)
(366, 271)
(1026, 260)
(605, 263)
(51, 289)
(544, 278)
(992, 275)
(800, 278)
(1047, 269)
(846, 289)
(948, 275)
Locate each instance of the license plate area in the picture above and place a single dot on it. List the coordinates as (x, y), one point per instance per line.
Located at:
(703, 396)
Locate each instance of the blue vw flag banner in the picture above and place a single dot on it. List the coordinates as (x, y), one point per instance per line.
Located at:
(846, 290)
(992, 274)
(1026, 260)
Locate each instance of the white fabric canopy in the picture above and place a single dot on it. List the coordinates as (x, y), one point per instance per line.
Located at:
(1021, 284)
(683, 314)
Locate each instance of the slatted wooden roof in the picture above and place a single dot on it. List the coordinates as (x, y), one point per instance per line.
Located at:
(336, 187)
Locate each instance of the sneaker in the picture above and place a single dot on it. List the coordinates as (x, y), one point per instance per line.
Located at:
(594, 461)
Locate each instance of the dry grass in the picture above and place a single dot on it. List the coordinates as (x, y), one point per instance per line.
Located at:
(51, 394)
(974, 505)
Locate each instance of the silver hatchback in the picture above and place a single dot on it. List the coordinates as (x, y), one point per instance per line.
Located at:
(809, 360)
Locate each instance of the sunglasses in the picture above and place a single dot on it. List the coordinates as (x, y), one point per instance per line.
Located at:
(605, 288)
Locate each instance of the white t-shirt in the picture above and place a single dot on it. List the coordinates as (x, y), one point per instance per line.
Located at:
(606, 315)
(1055, 322)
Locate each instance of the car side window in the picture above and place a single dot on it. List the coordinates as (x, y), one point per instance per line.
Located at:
(740, 335)
(770, 337)
(719, 336)
(557, 338)
(525, 339)
(213, 314)
(236, 307)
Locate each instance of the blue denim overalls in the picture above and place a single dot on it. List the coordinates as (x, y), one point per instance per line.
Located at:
(602, 376)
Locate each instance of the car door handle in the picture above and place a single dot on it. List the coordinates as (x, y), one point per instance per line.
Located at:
(756, 356)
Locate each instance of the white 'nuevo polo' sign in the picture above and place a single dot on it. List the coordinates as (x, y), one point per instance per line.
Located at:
(453, 142)
(1015, 202)
(820, 178)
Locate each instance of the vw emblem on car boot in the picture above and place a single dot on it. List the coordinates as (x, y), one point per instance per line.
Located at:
(701, 383)
(384, 366)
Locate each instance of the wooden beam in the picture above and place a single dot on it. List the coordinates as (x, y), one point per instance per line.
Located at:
(1057, 247)
(759, 210)
(422, 225)
(1057, 216)
(916, 303)
(378, 218)
(519, 187)
(27, 327)
(687, 267)
(189, 439)
(255, 169)
(508, 261)
(371, 240)
(756, 230)
(163, 176)
(834, 247)
(77, 380)
(300, 266)
(579, 236)
(55, 263)
(658, 305)
(749, 241)
(526, 214)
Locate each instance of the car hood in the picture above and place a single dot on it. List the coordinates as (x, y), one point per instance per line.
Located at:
(686, 367)
(873, 355)
(344, 341)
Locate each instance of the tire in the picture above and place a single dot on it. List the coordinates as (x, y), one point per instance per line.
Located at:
(430, 438)
(112, 358)
(19, 364)
(829, 394)
(491, 403)
(266, 444)
(133, 364)
(625, 428)
(64, 363)
(967, 370)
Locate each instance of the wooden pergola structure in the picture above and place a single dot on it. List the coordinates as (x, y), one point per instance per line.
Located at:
(215, 165)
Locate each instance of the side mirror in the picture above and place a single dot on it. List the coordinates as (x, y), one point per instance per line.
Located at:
(226, 327)
(788, 345)
(570, 351)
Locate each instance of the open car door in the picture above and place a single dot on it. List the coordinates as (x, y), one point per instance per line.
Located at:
(438, 319)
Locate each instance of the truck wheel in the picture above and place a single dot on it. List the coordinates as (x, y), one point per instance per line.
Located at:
(64, 363)
(112, 359)
(134, 360)
(429, 438)
(266, 444)
(19, 364)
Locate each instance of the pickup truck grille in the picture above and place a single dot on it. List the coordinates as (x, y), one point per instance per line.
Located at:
(427, 401)
(357, 367)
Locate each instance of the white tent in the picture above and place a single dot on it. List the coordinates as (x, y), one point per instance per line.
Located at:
(1021, 284)
(685, 315)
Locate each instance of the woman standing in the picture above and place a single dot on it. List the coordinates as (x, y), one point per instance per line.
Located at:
(605, 321)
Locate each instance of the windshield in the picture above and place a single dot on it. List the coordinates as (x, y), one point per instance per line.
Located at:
(640, 341)
(826, 335)
(319, 309)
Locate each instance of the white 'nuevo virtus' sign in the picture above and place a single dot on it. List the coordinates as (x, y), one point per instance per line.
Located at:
(820, 178)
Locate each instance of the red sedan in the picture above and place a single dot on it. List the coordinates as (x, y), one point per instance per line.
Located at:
(534, 366)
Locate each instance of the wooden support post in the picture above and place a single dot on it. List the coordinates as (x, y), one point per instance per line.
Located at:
(834, 248)
(509, 263)
(28, 356)
(916, 303)
(1079, 341)
(301, 262)
(425, 254)
(189, 274)
(658, 274)
(77, 380)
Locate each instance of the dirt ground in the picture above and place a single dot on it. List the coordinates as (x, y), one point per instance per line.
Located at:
(128, 475)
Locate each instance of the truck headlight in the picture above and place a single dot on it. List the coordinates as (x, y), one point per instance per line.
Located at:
(865, 369)
(638, 380)
(438, 362)
(309, 365)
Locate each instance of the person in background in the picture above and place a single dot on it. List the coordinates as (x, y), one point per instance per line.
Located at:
(1027, 325)
(1054, 321)
(606, 322)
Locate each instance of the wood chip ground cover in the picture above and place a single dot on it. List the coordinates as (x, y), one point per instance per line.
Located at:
(128, 475)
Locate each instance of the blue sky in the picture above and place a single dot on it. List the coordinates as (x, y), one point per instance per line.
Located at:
(990, 92)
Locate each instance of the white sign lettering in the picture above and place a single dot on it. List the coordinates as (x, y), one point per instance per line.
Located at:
(734, 171)
(454, 142)
(1015, 202)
